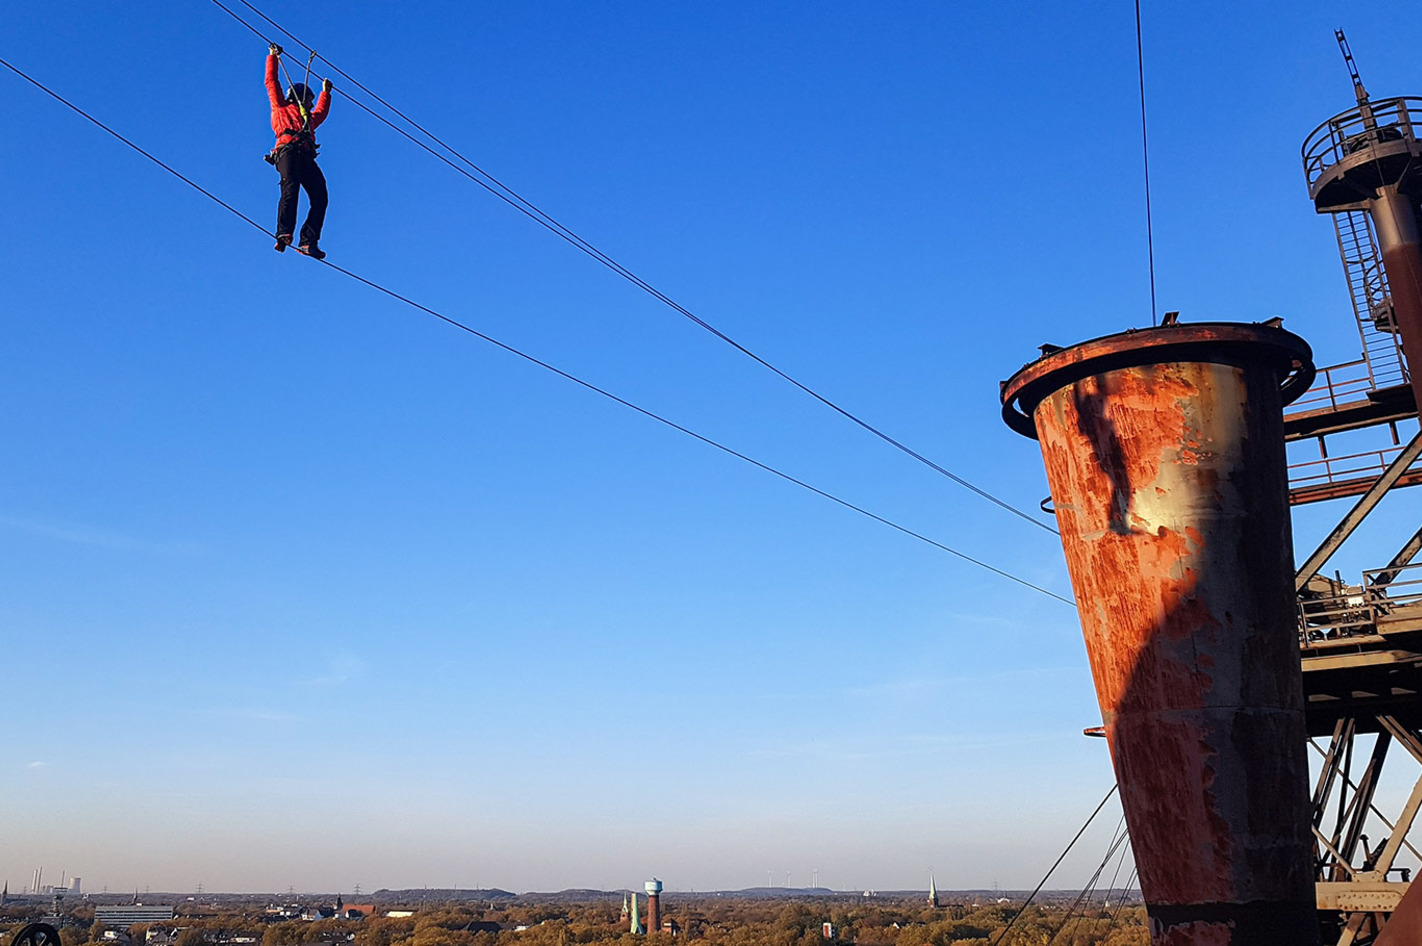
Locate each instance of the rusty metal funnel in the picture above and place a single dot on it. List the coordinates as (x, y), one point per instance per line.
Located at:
(1164, 449)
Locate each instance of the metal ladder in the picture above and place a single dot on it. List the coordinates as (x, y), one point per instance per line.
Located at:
(1367, 289)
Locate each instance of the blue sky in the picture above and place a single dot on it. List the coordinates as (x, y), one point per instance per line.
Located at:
(303, 587)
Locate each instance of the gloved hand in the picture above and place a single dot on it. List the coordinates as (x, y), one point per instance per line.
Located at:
(274, 50)
(326, 85)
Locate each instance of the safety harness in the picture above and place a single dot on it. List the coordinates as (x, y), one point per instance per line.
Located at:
(303, 138)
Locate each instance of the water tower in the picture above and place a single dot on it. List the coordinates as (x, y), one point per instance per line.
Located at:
(654, 905)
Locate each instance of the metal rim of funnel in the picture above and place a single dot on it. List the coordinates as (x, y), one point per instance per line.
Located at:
(1230, 343)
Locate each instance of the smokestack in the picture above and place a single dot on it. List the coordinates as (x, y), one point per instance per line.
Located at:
(1164, 449)
(654, 905)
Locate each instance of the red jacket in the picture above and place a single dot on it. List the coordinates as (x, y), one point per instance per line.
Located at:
(286, 119)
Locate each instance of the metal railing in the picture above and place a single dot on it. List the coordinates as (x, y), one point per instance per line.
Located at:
(1370, 464)
(1395, 588)
(1353, 612)
(1334, 619)
(1335, 386)
(1342, 135)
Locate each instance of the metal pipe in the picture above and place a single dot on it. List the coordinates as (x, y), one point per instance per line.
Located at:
(1395, 220)
(1164, 450)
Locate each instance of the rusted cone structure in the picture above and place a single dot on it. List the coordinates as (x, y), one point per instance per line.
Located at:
(1164, 449)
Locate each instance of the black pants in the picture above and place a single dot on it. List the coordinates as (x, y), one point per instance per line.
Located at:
(298, 169)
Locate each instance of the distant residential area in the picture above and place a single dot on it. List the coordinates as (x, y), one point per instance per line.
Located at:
(500, 918)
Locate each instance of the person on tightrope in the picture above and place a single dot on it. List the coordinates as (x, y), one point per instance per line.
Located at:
(295, 120)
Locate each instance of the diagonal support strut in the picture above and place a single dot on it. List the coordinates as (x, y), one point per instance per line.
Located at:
(1365, 505)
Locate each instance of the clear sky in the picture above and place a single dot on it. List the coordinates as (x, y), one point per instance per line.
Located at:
(301, 587)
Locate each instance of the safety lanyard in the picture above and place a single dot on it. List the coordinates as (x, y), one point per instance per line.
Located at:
(300, 99)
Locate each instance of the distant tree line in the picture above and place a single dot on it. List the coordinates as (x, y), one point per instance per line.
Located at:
(707, 921)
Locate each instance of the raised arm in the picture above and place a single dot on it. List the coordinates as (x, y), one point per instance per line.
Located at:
(273, 87)
(323, 103)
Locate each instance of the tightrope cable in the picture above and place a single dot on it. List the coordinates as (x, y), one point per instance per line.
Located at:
(502, 191)
(543, 364)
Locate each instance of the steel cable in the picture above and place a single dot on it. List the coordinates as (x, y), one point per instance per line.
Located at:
(1002, 937)
(1145, 161)
(543, 364)
(1077, 911)
(1115, 875)
(1120, 905)
(496, 187)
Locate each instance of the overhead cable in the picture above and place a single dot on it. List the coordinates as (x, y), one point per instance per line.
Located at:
(1145, 161)
(502, 191)
(545, 365)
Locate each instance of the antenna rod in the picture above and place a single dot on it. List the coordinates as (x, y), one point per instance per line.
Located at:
(1360, 93)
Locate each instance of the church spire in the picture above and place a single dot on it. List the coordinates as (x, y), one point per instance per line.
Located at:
(932, 891)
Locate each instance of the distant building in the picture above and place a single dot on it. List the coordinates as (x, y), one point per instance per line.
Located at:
(399, 914)
(654, 904)
(487, 926)
(635, 926)
(121, 918)
(828, 930)
(932, 891)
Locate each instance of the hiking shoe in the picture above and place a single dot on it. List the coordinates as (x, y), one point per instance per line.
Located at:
(312, 250)
(283, 240)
